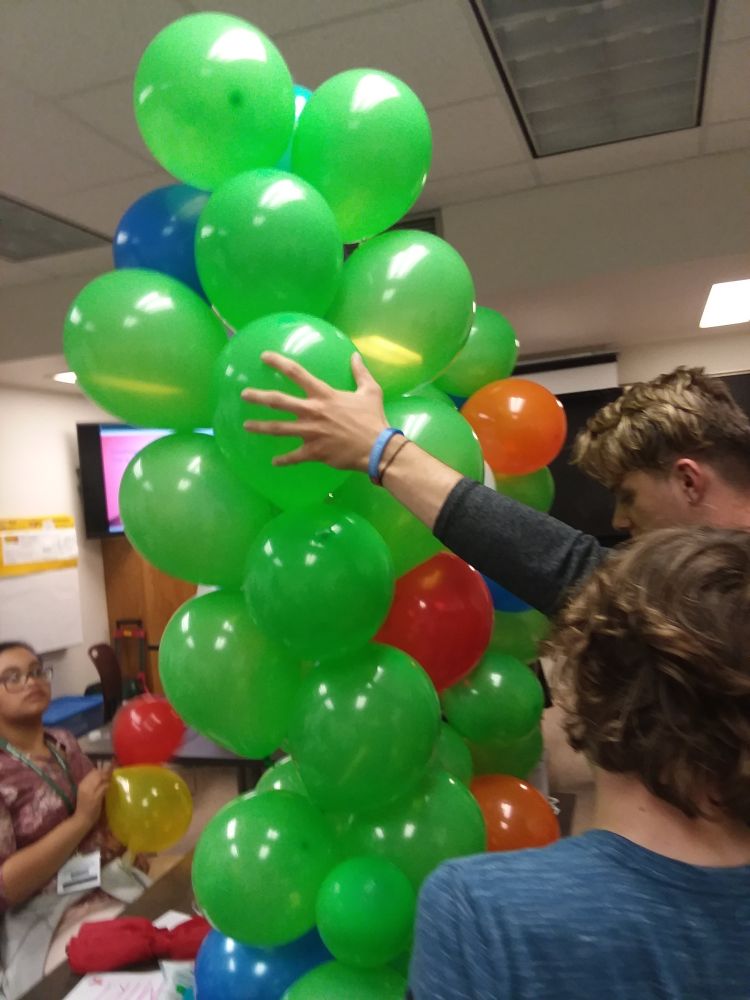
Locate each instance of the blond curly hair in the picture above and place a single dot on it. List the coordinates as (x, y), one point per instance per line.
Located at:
(685, 413)
(654, 671)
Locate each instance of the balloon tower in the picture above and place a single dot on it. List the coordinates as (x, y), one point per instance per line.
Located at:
(339, 629)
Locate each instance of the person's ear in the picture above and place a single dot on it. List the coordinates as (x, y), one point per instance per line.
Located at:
(692, 480)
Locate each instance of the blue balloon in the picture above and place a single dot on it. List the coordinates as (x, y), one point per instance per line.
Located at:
(301, 97)
(503, 600)
(228, 970)
(158, 232)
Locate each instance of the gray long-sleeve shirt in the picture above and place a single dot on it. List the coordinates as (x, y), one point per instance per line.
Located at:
(533, 555)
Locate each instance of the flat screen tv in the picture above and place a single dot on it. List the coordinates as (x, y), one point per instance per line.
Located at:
(104, 451)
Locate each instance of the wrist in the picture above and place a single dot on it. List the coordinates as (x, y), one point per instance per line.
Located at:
(376, 459)
(80, 824)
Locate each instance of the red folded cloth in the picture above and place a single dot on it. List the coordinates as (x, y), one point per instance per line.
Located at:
(116, 944)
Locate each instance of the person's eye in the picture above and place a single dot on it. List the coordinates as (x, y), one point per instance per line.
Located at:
(11, 677)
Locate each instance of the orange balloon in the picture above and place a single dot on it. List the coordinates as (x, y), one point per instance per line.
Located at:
(515, 813)
(521, 426)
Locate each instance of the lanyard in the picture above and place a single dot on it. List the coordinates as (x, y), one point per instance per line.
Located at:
(69, 800)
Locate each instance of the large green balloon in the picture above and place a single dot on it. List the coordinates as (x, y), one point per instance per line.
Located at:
(334, 981)
(519, 633)
(537, 489)
(267, 242)
(317, 346)
(500, 700)
(488, 355)
(284, 776)
(319, 581)
(225, 677)
(453, 754)
(258, 866)
(364, 728)
(213, 97)
(431, 391)
(365, 912)
(407, 301)
(364, 142)
(143, 346)
(180, 488)
(519, 758)
(441, 819)
(441, 430)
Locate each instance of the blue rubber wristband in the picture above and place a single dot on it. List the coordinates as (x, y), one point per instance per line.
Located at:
(376, 453)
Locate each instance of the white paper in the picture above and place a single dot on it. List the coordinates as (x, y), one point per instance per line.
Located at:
(82, 871)
(27, 546)
(43, 608)
(171, 919)
(119, 986)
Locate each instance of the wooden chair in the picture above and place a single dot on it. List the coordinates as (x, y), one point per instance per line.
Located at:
(103, 657)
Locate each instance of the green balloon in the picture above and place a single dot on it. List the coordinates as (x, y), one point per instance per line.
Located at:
(536, 490)
(453, 754)
(334, 981)
(364, 141)
(179, 487)
(267, 242)
(489, 354)
(519, 633)
(406, 299)
(441, 819)
(500, 700)
(431, 391)
(213, 97)
(364, 728)
(317, 346)
(519, 758)
(319, 581)
(258, 866)
(143, 345)
(365, 912)
(226, 678)
(284, 776)
(441, 430)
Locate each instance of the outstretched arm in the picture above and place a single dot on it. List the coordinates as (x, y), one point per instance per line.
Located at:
(535, 556)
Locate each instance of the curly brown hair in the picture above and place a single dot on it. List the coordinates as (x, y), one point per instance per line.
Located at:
(685, 413)
(654, 655)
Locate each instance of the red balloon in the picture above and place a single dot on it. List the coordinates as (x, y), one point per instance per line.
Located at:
(442, 616)
(521, 426)
(515, 813)
(146, 730)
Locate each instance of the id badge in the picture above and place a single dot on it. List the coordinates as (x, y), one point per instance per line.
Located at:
(80, 873)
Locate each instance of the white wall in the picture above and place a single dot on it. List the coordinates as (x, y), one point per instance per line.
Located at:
(38, 462)
(719, 354)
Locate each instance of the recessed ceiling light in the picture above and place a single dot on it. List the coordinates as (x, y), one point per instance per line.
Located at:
(728, 302)
(68, 377)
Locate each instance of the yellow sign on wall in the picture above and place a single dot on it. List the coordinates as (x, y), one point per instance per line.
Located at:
(36, 544)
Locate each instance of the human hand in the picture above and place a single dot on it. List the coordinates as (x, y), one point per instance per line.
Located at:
(91, 792)
(336, 426)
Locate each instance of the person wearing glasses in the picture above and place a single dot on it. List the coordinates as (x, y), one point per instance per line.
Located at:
(51, 798)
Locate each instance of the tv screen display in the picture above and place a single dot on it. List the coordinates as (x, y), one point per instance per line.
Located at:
(104, 451)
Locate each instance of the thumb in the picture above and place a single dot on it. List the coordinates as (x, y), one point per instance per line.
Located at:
(362, 376)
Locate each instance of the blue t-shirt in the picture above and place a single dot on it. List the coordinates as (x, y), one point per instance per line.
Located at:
(593, 916)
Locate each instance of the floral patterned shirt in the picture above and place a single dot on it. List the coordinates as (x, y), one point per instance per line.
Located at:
(29, 808)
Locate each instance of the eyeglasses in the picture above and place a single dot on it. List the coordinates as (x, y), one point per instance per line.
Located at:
(15, 679)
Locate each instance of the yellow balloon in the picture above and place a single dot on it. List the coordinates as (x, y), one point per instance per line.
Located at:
(148, 808)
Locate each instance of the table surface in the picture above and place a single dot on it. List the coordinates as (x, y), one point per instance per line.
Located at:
(194, 749)
(172, 891)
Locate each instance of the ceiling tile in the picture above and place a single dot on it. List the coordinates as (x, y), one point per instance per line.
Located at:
(727, 135)
(47, 152)
(732, 20)
(274, 17)
(474, 185)
(432, 45)
(101, 208)
(728, 82)
(19, 274)
(55, 47)
(109, 110)
(475, 135)
(629, 155)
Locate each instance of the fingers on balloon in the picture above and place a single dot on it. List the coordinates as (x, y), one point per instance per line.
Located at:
(275, 428)
(275, 400)
(292, 457)
(294, 371)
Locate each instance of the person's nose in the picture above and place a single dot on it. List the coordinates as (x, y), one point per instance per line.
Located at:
(621, 520)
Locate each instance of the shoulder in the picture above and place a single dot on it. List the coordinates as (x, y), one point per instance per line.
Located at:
(63, 740)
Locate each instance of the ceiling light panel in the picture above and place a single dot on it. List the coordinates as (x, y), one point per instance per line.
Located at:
(585, 74)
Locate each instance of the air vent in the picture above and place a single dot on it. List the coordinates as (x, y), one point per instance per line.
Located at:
(586, 74)
(27, 233)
